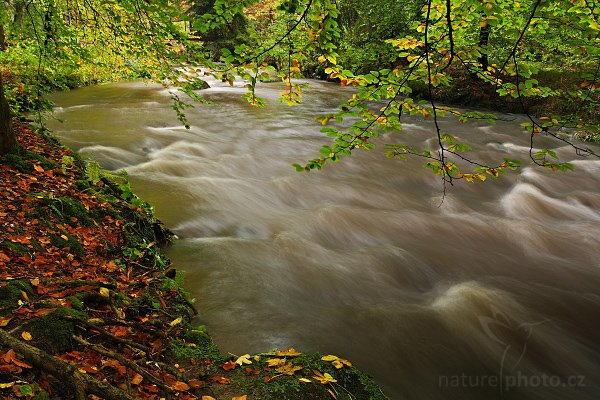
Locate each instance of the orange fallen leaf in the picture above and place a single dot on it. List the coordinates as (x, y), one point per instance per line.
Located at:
(38, 168)
(137, 379)
(195, 383)
(244, 397)
(229, 365)
(4, 321)
(289, 352)
(26, 335)
(181, 386)
(220, 379)
(208, 398)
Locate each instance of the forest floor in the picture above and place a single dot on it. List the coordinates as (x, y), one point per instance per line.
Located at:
(91, 308)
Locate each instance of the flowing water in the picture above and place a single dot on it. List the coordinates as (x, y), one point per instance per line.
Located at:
(492, 293)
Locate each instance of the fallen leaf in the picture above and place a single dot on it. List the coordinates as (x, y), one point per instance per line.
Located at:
(195, 383)
(7, 385)
(323, 378)
(304, 380)
(38, 168)
(181, 386)
(244, 397)
(21, 363)
(331, 393)
(4, 257)
(289, 368)
(220, 379)
(275, 362)
(26, 335)
(4, 321)
(137, 379)
(289, 352)
(208, 398)
(229, 365)
(34, 281)
(104, 292)
(243, 360)
(176, 321)
(336, 361)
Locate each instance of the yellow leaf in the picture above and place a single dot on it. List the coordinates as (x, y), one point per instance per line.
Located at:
(304, 380)
(289, 368)
(322, 59)
(244, 397)
(275, 362)
(176, 321)
(64, 237)
(38, 168)
(104, 292)
(26, 335)
(323, 378)
(7, 385)
(243, 360)
(208, 398)
(4, 321)
(34, 282)
(289, 352)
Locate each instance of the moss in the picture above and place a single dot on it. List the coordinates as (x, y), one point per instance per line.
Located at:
(204, 349)
(22, 161)
(66, 209)
(15, 248)
(11, 293)
(50, 333)
(76, 303)
(71, 243)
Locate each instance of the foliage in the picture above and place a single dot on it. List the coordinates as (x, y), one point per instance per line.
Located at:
(508, 48)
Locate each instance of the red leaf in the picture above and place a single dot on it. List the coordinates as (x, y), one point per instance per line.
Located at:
(229, 365)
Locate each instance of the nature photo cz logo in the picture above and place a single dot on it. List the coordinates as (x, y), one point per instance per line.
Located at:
(514, 340)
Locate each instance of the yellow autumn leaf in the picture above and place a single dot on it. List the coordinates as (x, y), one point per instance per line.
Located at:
(323, 378)
(304, 380)
(7, 385)
(26, 335)
(289, 352)
(275, 362)
(244, 397)
(245, 359)
(104, 292)
(4, 321)
(34, 281)
(289, 368)
(176, 321)
(208, 398)
(336, 361)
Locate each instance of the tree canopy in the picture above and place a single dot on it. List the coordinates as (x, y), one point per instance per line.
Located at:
(403, 58)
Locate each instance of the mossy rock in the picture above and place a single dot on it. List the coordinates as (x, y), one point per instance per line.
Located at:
(11, 293)
(51, 332)
(22, 161)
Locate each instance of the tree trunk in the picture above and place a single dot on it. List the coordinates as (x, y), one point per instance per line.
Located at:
(484, 35)
(8, 140)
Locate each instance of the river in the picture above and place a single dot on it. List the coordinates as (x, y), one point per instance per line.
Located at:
(492, 293)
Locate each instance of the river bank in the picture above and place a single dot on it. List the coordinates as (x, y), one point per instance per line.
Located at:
(90, 305)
